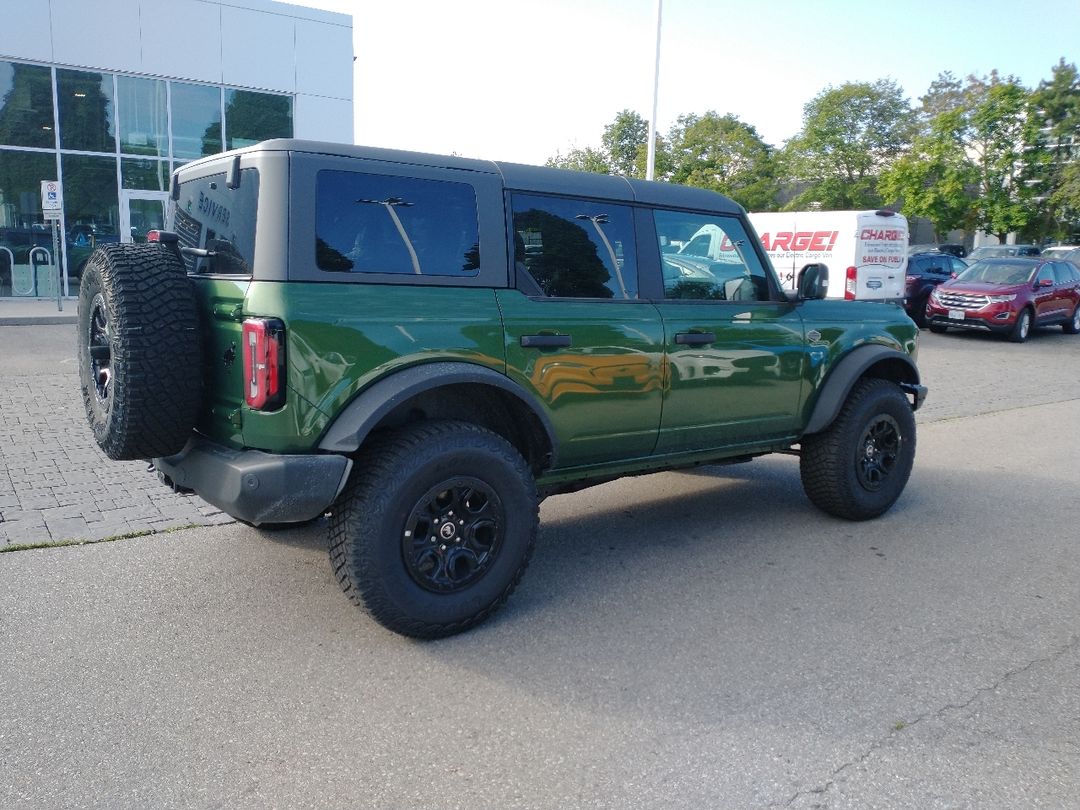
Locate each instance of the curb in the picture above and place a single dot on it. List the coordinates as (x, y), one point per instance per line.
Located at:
(43, 320)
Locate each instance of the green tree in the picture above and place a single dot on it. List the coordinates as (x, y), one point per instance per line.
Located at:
(1065, 199)
(721, 153)
(1055, 107)
(623, 150)
(623, 141)
(581, 160)
(935, 177)
(850, 134)
(945, 94)
(1000, 138)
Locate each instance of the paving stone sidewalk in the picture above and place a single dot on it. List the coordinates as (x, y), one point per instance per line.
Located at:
(55, 484)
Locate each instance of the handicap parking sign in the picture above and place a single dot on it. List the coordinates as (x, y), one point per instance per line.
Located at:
(51, 197)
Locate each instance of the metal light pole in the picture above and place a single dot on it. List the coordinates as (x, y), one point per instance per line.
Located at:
(597, 221)
(651, 159)
(389, 205)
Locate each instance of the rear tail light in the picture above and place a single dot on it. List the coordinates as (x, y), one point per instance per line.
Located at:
(264, 363)
(165, 237)
(849, 283)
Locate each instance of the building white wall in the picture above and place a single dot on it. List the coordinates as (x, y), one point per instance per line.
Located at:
(252, 44)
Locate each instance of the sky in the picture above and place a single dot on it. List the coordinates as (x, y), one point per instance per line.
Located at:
(522, 81)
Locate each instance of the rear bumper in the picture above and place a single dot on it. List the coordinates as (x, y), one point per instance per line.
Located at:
(253, 486)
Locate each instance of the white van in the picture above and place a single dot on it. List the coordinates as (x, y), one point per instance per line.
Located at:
(865, 251)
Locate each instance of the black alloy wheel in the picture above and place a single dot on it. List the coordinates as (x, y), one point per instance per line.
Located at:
(878, 452)
(99, 351)
(453, 535)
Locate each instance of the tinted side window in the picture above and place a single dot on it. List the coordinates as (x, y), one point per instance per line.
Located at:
(373, 223)
(714, 259)
(575, 248)
(1062, 274)
(220, 220)
(1046, 273)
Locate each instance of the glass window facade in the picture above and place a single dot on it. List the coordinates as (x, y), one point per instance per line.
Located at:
(86, 105)
(144, 121)
(253, 117)
(26, 105)
(109, 142)
(196, 120)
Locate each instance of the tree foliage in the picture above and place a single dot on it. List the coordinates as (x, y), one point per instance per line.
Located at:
(850, 134)
(1055, 106)
(979, 153)
(581, 160)
(624, 140)
(721, 153)
(934, 178)
(999, 136)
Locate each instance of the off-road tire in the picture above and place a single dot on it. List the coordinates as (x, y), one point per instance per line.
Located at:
(1072, 326)
(857, 468)
(138, 350)
(1022, 330)
(377, 557)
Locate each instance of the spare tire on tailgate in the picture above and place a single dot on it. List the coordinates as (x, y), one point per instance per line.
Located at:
(139, 350)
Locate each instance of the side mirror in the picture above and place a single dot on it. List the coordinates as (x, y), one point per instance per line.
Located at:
(1044, 282)
(813, 282)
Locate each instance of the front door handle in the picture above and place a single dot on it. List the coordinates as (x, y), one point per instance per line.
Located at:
(695, 338)
(545, 341)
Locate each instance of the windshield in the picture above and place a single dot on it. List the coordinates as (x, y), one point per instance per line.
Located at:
(999, 272)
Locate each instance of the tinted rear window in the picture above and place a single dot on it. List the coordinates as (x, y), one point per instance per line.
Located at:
(373, 223)
(220, 220)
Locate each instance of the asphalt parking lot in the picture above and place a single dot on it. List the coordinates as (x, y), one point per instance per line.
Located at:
(687, 639)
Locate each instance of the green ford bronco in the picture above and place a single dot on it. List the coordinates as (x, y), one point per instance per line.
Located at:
(423, 347)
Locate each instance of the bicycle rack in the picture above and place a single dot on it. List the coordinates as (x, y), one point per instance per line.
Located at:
(11, 270)
(41, 272)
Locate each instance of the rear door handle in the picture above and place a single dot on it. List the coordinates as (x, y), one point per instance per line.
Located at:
(545, 341)
(695, 338)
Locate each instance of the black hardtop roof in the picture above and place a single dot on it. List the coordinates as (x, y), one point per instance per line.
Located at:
(521, 177)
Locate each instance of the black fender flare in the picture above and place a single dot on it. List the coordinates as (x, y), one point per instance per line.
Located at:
(351, 427)
(847, 372)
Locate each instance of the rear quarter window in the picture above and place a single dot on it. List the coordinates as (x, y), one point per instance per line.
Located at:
(370, 223)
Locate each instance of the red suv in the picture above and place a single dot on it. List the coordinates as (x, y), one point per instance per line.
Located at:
(1008, 296)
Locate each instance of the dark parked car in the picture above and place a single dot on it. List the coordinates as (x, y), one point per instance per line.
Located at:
(1000, 251)
(956, 250)
(1009, 296)
(924, 272)
(1069, 253)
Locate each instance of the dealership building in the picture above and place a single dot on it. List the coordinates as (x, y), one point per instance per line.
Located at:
(100, 100)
